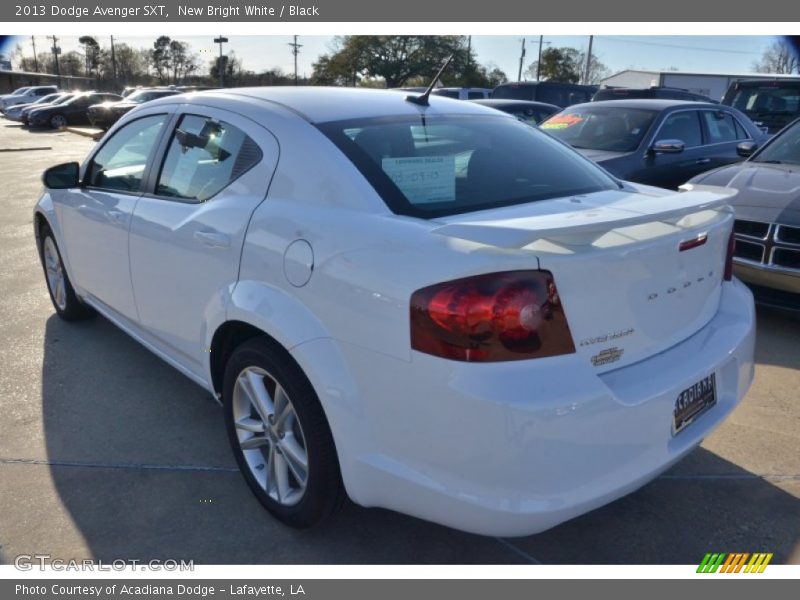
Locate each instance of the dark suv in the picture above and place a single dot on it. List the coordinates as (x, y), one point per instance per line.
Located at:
(549, 92)
(770, 103)
(655, 92)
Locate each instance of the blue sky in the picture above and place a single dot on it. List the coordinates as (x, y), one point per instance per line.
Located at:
(733, 54)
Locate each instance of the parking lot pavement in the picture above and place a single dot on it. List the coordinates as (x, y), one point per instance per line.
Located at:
(107, 452)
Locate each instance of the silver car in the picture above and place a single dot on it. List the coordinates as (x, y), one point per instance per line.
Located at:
(767, 226)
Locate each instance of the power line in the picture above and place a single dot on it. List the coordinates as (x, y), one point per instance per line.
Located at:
(677, 46)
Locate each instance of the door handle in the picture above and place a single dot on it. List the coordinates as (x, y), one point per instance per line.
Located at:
(116, 216)
(702, 161)
(215, 239)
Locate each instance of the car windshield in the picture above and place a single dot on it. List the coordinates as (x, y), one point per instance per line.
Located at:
(47, 99)
(611, 128)
(785, 148)
(146, 95)
(19, 91)
(430, 166)
(768, 99)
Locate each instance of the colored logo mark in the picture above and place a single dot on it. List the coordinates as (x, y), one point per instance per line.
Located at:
(735, 562)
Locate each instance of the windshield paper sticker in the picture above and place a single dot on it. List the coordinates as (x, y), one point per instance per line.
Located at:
(562, 121)
(424, 179)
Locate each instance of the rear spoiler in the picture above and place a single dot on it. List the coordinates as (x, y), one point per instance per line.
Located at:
(587, 225)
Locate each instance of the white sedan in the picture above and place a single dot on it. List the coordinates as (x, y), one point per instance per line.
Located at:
(419, 304)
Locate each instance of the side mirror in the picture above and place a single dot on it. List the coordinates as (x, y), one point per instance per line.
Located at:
(668, 147)
(746, 149)
(62, 176)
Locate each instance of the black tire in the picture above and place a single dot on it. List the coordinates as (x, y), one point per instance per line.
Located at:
(73, 309)
(56, 121)
(324, 492)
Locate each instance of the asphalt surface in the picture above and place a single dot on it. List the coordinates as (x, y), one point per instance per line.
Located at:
(108, 453)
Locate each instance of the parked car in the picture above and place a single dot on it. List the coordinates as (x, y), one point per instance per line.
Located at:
(29, 95)
(106, 114)
(657, 142)
(21, 90)
(462, 93)
(435, 242)
(771, 104)
(531, 113)
(550, 92)
(71, 112)
(767, 226)
(654, 92)
(14, 112)
(25, 112)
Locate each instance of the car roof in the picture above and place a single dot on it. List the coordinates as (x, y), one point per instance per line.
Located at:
(648, 103)
(323, 104)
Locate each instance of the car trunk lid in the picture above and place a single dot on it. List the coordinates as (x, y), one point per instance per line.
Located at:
(636, 272)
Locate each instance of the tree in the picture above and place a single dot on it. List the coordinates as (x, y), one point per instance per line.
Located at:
(181, 60)
(780, 57)
(160, 58)
(597, 70)
(231, 68)
(398, 60)
(558, 64)
(91, 54)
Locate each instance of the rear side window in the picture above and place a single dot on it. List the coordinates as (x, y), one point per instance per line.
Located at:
(120, 164)
(204, 157)
(683, 126)
(721, 127)
(475, 95)
(436, 165)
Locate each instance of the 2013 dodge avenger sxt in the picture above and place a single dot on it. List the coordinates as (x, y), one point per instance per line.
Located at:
(422, 304)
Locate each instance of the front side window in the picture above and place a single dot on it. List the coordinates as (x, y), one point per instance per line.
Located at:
(615, 129)
(120, 164)
(204, 156)
(430, 166)
(683, 126)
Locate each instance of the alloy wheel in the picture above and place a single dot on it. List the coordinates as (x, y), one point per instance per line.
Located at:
(270, 436)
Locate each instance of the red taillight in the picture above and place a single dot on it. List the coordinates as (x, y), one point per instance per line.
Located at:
(728, 275)
(501, 316)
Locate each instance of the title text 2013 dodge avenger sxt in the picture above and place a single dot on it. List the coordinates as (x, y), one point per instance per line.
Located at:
(424, 306)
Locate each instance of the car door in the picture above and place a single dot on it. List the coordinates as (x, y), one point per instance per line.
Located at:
(671, 169)
(95, 217)
(188, 230)
(722, 134)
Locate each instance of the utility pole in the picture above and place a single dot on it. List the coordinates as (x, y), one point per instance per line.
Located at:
(35, 59)
(56, 51)
(539, 62)
(521, 59)
(113, 62)
(295, 50)
(469, 50)
(221, 40)
(588, 61)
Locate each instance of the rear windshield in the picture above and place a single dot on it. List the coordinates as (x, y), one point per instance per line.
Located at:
(436, 166)
(615, 129)
(767, 98)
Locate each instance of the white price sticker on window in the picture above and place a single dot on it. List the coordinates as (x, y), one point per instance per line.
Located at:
(423, 179)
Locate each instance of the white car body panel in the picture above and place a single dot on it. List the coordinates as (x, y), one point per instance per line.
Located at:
(505, 448)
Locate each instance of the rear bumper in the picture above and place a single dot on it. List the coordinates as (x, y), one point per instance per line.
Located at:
(516, 448)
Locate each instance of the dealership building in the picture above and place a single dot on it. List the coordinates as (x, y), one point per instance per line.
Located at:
(712, 85)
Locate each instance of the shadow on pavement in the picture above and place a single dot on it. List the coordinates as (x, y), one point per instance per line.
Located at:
(139, 458)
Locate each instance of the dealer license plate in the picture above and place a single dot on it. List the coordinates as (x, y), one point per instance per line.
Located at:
(694, 401)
